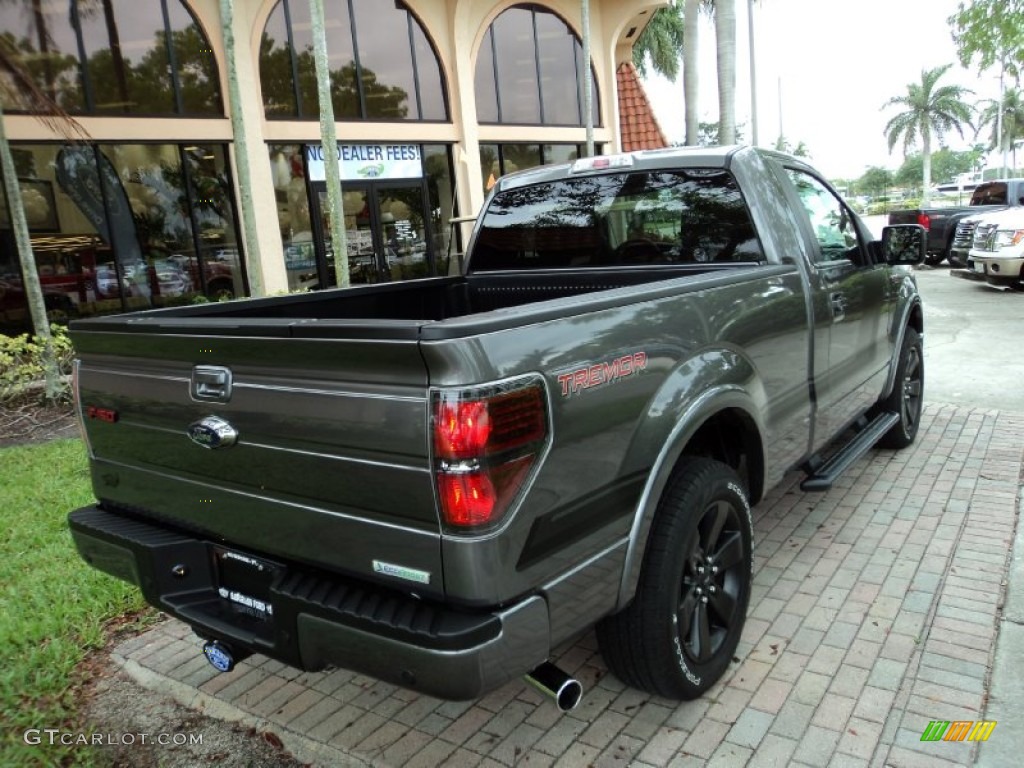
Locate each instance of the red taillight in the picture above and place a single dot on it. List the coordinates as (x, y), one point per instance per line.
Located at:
(485, 443)
(461, 429)
(468, 499)
(924, 220)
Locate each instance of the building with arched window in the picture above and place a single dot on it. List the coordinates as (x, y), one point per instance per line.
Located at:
(433, 100)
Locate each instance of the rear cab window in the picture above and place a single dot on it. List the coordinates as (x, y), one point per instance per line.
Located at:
(629, 219)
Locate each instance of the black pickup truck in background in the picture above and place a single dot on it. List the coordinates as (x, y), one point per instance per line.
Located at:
(941, 223)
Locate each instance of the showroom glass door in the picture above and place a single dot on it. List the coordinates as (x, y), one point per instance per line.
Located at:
(385, 228)
(400, 211)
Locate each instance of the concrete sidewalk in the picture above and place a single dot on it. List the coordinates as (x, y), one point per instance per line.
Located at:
(876, 609)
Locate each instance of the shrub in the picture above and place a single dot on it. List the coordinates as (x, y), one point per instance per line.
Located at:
(21, 364)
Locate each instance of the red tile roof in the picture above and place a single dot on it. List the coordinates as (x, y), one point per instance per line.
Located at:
(638, 127)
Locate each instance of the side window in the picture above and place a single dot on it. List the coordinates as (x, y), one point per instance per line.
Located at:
(830, 220)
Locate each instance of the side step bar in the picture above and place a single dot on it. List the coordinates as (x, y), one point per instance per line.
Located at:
(826, 474)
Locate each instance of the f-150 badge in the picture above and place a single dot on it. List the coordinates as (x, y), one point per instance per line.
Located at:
(212, 432)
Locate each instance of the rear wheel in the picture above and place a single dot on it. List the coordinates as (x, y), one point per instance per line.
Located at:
(934, 259)
(677, 637)
(906, 396)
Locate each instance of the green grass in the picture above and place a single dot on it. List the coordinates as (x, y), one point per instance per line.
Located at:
(52, 605)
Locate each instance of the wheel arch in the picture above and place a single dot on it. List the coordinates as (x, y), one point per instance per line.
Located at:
(721, 424)
(912, 317)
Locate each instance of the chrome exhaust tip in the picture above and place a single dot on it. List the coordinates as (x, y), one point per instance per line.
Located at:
(553, 682)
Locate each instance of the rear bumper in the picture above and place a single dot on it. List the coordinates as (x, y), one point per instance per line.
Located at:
(315, 620)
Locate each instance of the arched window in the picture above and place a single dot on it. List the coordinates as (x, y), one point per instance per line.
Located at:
(115, 57)
(529, 70)
(382, 65)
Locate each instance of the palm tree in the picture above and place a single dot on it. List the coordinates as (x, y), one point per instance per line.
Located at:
(240, 145)
(691, 75)
(661, 41)
(725, 37)
(672, 28)
(329, 140)
(1012, 128)
(930, 109)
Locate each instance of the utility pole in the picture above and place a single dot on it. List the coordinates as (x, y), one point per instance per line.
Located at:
(781, 134)
(588, 85)
(753, 73)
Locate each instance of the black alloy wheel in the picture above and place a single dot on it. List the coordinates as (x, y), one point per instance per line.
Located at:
(678, 635)
(712, 581)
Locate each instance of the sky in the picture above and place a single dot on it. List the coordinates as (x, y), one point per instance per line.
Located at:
(831, 65)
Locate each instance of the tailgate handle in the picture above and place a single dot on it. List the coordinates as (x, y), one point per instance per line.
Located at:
(211, 383)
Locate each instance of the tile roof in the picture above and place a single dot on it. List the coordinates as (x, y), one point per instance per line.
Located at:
(638, 127)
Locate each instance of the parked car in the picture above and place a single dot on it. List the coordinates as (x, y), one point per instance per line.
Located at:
(105, 284)
(14, 311)
(997, 253)
(947, 241)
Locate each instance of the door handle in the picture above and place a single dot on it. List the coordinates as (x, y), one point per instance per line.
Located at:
(838, 302)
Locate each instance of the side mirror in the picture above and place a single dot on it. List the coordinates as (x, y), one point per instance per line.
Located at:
(904, 244)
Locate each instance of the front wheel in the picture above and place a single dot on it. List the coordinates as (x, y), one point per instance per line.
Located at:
(906, 398)
(679, 634)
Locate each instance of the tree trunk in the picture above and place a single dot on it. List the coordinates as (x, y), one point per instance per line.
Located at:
(329, 139)
(926, 158)
(33, 288)
(691, 77)
(120, 72)
(725, 35)
(241, 152)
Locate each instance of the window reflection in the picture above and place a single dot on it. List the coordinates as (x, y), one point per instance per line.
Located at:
(136, 60)
(391, 72)
(498, 159)
(529, 70)
(618, 220)
(39, 38)
(516, 67)
(122, 227)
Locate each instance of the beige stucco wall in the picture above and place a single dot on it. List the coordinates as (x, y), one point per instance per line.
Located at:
(456, 28)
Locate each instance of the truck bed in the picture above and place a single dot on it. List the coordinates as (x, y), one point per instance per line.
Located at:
(393, 310)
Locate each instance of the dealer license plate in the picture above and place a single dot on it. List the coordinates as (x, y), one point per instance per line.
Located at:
(244, 583)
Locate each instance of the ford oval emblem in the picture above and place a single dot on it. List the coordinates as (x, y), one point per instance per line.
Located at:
(212, 432)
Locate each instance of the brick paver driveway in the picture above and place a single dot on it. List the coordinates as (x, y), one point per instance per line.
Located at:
(875, 610)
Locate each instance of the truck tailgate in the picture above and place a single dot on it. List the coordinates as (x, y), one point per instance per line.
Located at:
(330, 466)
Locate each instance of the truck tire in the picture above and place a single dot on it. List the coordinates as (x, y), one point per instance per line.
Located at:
(934, 259)
(906, 396)
(677, 637)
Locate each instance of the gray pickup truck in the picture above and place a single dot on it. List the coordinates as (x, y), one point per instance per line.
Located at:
(437, 482)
